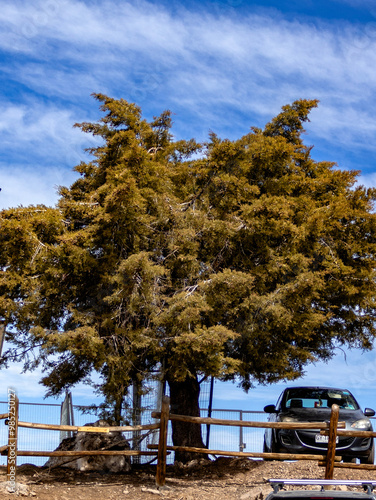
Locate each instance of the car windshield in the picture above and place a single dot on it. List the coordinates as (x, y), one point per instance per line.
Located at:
(306, 397)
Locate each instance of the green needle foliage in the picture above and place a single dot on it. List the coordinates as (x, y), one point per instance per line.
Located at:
(238, 259)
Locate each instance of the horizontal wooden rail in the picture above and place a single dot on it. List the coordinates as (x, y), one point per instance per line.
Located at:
(349, 465)
(243, 423)
(280, 456)
(83, 453)
(87, 428)
(161, 450)
(355, 433)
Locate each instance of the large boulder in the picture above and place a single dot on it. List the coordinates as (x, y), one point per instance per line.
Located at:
(94, 441)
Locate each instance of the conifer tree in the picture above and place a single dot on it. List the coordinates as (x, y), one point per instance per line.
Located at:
(244, 260)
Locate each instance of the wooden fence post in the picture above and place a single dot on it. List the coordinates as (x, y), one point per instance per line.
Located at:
(13, 405)
(2, 336)
(332, 442)
(160, 478)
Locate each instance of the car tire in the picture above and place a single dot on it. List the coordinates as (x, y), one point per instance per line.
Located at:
(370, 459)
(265, 450)
(274, 449)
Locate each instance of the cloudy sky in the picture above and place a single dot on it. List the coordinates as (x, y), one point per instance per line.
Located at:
(217, 65)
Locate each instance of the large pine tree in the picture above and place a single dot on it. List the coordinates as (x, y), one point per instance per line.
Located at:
(241, 258)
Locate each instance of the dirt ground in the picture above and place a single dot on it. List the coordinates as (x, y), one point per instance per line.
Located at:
(224, 478)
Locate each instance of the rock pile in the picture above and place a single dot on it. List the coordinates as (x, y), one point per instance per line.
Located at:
(112, 441)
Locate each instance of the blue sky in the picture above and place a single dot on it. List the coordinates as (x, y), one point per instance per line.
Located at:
(217, 65)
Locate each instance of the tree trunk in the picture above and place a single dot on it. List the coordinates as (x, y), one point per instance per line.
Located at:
(184, 401)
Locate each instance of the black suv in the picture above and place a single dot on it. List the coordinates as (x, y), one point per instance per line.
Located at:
(313, 404)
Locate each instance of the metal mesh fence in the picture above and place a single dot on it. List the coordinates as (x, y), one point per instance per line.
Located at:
(138, 409)
(221, 437)
(236, 438)
(36, 439)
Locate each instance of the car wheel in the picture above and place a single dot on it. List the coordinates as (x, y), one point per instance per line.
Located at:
(265, 450)
(370, 459)
(264, 447)
(274, 449)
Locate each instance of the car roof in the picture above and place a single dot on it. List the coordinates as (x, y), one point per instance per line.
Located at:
(324, 387)
(326, 494)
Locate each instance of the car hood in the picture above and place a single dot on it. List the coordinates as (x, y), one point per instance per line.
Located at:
(321, 414)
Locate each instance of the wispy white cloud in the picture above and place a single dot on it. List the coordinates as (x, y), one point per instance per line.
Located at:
(364, 4)
(40, 148)
(368, 180)
(254, 64)
(35, 122)
(215, 72)
(31, 185)
(25, 387)
(28, 387)
(357, 373)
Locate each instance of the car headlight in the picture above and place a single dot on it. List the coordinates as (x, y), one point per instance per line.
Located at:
(288, 419)
(363, 423)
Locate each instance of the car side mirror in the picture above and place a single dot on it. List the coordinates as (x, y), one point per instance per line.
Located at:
(270, 409)
(368, 412)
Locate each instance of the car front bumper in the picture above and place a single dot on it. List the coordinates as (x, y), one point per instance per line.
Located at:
(306, 441)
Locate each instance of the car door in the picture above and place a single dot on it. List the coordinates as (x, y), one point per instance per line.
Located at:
(272, 410)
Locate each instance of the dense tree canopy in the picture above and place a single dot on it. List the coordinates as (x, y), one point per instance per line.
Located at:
(236, 258)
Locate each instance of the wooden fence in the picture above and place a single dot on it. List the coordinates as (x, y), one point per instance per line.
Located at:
(329, 460)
